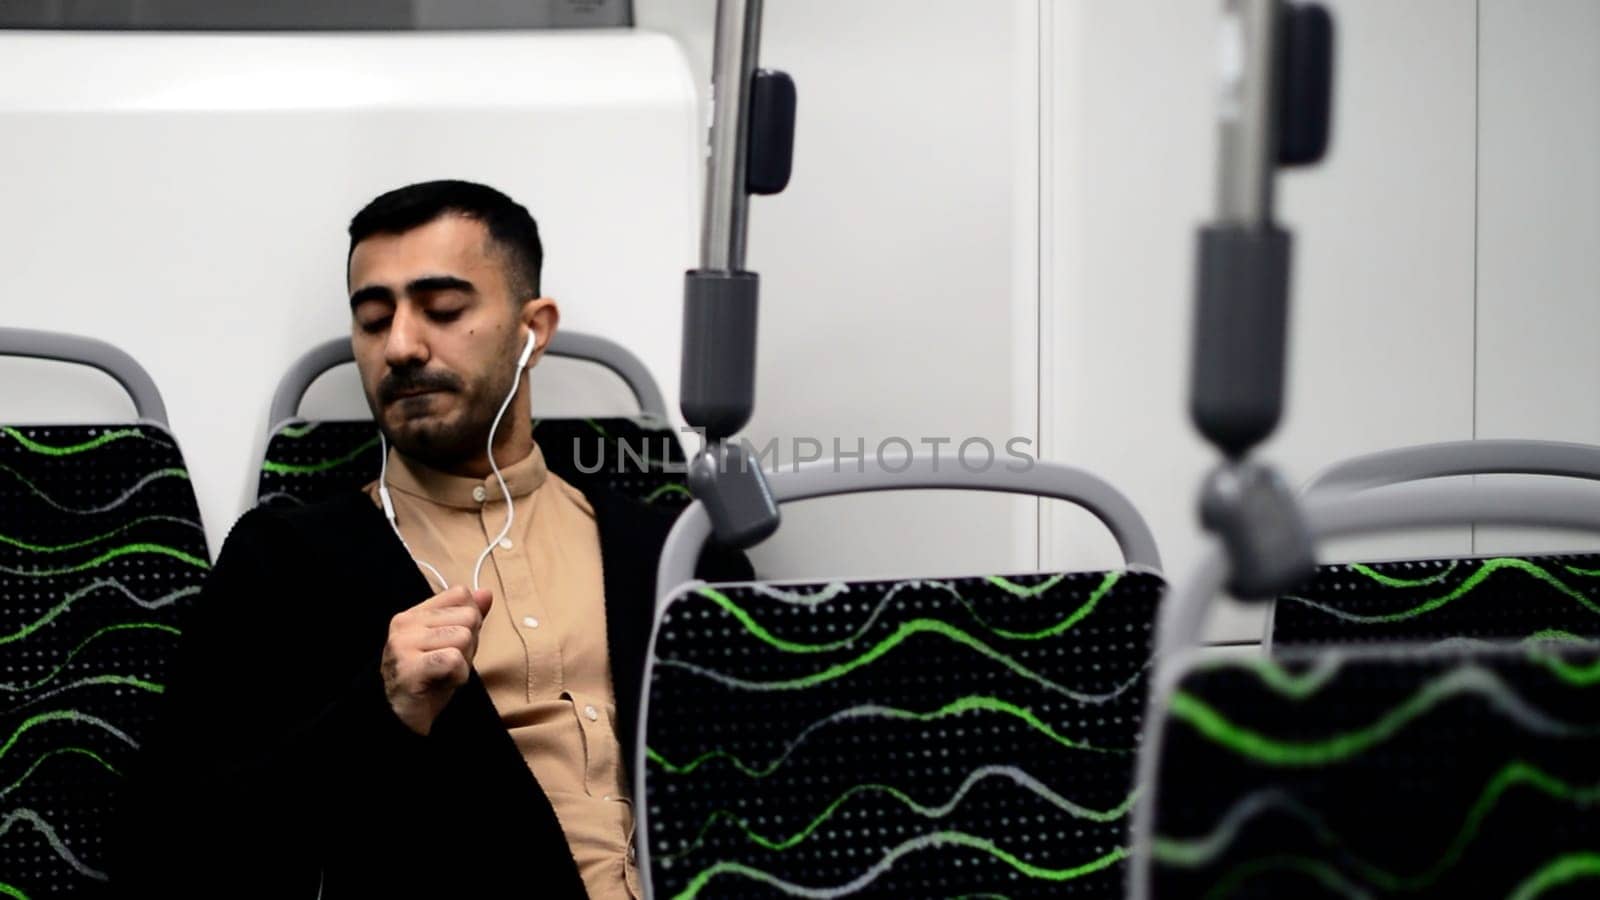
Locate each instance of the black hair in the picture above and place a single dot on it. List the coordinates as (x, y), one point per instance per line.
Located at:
(510, 226)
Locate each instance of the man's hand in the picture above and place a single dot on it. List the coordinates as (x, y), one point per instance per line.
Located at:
(429, 654)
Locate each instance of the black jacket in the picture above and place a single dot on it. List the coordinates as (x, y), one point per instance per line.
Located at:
(279, 766)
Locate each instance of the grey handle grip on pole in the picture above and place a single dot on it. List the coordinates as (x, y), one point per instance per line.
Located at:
(567, 344)
(1452, 458)
(824, 479)
(86, 351)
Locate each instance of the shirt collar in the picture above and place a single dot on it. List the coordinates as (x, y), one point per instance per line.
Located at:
(417, 479)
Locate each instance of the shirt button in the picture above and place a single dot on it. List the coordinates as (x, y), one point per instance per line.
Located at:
(633, 855)
(478, 493)
(530, 621)
(592, 713)
(505, 543)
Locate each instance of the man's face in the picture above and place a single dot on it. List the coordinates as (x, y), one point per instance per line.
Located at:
(436, 336)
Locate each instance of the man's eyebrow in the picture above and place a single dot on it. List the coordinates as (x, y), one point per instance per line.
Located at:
(433, 284)
(371, 292)
(427, 284)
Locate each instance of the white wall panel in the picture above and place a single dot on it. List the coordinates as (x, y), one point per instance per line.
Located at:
(1539, 233)
(185, 197)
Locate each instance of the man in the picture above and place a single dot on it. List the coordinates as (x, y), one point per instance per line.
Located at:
(424, 693)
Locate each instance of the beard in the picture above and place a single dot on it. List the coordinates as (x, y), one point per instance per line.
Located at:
(442, 438)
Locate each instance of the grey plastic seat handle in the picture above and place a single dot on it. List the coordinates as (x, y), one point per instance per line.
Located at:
(87, 351)
(1451, 458)
(825, 479)
(619, 359)
(302, 372)
(571, 345)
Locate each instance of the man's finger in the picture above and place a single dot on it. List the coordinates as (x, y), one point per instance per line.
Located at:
(440, 661)
(455, 596)
(440, 637)
(484, 599)
(447, 665)
(455, 615)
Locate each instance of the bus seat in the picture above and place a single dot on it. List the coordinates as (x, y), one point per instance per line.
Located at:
(958, 736)
(101, 553)
(1386, 767)
(641, 457)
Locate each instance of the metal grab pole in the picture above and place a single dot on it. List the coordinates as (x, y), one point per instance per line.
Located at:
(1269, 51)
(717, 391)
(726, 220)
(1247, 113)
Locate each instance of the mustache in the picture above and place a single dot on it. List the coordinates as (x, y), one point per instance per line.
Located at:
(407, 381)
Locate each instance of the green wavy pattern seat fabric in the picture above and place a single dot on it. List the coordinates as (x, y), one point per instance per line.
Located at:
(1383, 772)
(968, 737)
(1419, 601)
(101, 549)
(311, 461)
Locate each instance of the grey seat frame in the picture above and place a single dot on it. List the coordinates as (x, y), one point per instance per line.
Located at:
(336, 352)
(1453, 458)
(28, 343)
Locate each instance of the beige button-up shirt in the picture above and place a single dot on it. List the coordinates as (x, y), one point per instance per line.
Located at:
(542, 649)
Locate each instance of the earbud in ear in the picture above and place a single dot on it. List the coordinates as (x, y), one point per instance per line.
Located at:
(527, 349)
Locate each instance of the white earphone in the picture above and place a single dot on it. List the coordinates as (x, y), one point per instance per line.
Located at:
(505, 490)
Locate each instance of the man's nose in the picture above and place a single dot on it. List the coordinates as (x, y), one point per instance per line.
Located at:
(407, 344)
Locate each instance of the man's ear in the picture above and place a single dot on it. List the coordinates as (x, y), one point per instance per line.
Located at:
(543, 316)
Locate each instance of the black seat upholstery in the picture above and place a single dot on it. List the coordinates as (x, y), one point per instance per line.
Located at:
(930, 738)
(1490, 598)
(1430, 600)
(1383, 772)
(101, 549)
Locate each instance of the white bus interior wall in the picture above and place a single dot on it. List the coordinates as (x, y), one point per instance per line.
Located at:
(989, 233)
